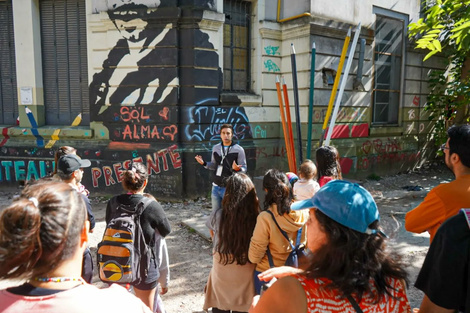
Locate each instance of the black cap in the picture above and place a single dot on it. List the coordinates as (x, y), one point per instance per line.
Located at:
(71, 162)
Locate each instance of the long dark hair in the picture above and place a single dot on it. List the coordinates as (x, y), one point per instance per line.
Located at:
(40, 229)
(279, 191)
(240, 208)
(328, 162)
(351, 259)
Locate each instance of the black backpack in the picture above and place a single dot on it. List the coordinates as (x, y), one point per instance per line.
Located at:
(123, 255)
(297, 252)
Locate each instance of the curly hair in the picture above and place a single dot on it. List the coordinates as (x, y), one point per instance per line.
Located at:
(135, 178)
(40, 229)
(328, 162)
(279, 191)
(240, 207)
(351, 259)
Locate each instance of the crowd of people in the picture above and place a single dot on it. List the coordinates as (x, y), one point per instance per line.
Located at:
(332, 225)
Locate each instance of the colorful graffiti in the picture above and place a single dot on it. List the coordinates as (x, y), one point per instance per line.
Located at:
(204, 123)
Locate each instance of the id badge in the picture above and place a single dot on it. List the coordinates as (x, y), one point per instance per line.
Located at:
(219, 170)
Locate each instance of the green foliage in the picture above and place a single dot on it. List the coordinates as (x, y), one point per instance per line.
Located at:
(447, 24)
(445, 29)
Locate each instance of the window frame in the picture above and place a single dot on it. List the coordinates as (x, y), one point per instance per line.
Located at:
(62, 105)
(9, 100)
(404, 19)
(248, 6)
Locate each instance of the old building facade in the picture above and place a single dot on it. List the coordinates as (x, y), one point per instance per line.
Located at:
(152, 81)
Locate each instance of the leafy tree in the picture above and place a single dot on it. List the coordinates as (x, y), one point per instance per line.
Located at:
(445, 30)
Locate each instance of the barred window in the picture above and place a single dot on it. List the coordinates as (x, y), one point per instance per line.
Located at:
(388, 58)
(237, 30)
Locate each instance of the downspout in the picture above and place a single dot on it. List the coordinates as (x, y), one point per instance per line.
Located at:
(287, 18)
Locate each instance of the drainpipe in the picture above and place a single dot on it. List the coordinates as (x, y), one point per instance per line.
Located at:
(288, 18)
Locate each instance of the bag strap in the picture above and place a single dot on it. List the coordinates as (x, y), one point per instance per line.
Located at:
(268, 252)
(354, 304)
(142, 205)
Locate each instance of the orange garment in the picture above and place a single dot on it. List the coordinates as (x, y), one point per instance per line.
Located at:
(320, 298)
(441, 202)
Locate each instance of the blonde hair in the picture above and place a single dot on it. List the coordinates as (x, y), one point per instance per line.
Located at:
(308, 170)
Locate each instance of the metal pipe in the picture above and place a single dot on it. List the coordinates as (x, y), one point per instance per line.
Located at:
(289, 124)
(310, 107)
(288, 18)
(335, 85)
(283, 119)
(296, 101)
(343, 83)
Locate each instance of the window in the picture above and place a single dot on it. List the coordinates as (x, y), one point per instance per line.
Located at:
(389, 65)
(8, 91)
(237, 46)
(64, 57)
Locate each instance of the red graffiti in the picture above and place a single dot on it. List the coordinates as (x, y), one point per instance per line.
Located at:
(156, 163)
(164, 113)
(416, 101)
(149, 132)
(170, 131)
(133, 113)
(366, 147)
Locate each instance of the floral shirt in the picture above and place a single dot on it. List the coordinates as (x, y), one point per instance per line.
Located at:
(321, 299)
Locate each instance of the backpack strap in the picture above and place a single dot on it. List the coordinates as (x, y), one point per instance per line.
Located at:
(268, 252)
(142, 205)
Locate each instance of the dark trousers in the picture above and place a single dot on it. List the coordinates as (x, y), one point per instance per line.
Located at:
(87, 266)
(216, 310)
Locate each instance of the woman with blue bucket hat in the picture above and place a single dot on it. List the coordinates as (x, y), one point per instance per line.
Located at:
(349, 269)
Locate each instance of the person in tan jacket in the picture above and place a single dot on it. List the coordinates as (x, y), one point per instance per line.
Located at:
(266, 234)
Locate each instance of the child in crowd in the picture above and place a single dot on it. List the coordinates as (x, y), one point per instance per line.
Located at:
(161, 251)
(306, 187)
(328, 164)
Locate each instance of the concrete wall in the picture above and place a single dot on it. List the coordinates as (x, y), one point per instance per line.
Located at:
(155, 94)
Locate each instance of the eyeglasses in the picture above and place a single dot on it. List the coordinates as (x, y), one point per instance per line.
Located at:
(443, 147)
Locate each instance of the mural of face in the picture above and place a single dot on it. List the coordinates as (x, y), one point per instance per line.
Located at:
(130, 29)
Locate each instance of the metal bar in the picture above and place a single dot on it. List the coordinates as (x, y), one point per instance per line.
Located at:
(310, 107)
(283, 120)
(296, 101)
(343, 83)
(335, 85)
(289, 125)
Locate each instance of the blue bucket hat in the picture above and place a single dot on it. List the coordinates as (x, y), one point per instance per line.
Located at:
(346, 203)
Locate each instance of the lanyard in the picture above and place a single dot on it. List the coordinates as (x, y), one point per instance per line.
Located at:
(222, 150)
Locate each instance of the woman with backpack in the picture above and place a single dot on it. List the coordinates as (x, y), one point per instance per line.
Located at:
(44, 233)
(267, 234)
(152, 218)
(230, 285)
